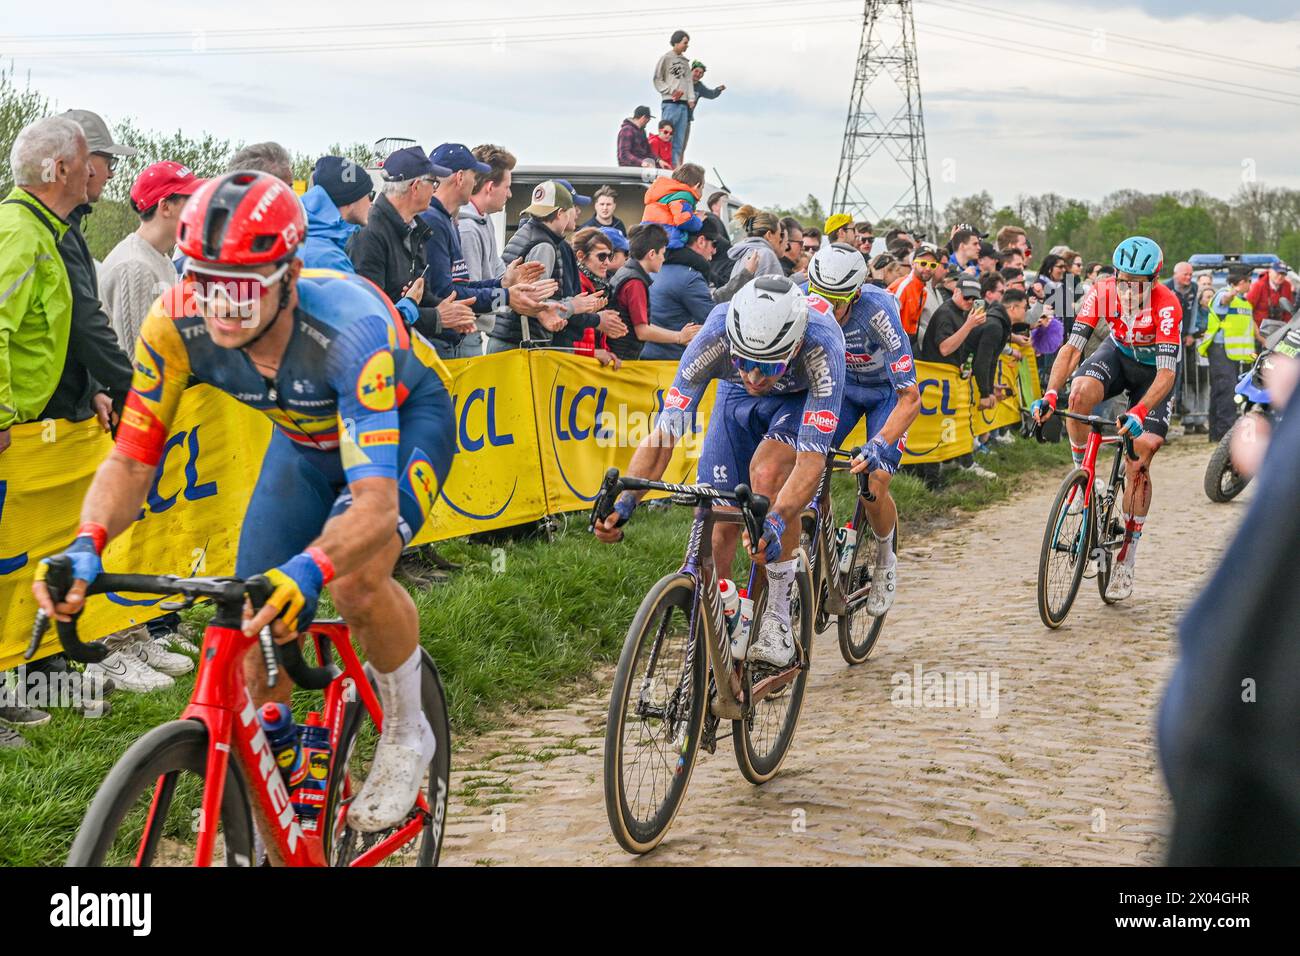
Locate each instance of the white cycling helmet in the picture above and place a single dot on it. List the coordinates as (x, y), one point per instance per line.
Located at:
(838, 269)
(766, 319)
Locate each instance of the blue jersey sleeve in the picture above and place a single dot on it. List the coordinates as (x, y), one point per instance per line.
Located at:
(706, 358)
(361, 369)
(821, 362)
(886, 327)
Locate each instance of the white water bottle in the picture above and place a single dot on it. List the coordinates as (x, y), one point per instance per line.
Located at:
(846, 539)
(730, 604)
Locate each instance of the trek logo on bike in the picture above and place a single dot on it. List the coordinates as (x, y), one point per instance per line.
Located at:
(676, 401)
(824, 421)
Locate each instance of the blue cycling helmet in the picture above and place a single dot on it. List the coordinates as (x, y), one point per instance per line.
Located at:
(1138, 256)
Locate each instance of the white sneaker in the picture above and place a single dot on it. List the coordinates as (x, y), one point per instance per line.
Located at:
(979, 471)
(1007, 439)
(1121, 581)
(884, 583)
(174, 639)
(129, 673)
(156, 656)
(393, 783)
(774, 645)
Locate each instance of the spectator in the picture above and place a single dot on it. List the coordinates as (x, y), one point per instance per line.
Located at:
(551, 217)
(389, 249)
(947, 285)
(265, 158)
(948, 339)
(670, 202)
(965, 244)
(1184, 289)
(680, 298)
(793, 260)
(897, 235)
(337, 204)
(1012, 237)
(1196, 367)
(593, 251)
(866, 238)
(633, 147)
(882, 269)
(988, 259)
(839, 228)
(139, 268)
(630, 291)
(1229, 342)
(763, 236)
(661, 145)
(619, 248)
(1266, 298)
(988, 345)
(721, 264)
(603, 202)
(672, 79)
(1011, 259)
(812, 241)
(701, 92)
(992, 287)
(916, 295)
(478, 238)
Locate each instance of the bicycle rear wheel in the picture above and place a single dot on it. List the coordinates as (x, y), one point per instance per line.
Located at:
(656, 708)
(357, 743)
(763, 738)
(147, 810)
(1066, 542)
(859, 631)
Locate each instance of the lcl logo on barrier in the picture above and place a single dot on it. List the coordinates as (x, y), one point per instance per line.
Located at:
(487, 397)
(945, 396)
(489, 435)
(566, 414)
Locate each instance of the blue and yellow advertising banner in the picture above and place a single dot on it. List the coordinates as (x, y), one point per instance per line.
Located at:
(1020, 377)
(943, 428)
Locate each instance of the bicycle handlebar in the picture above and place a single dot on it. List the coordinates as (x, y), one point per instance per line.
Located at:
(58, 579)
(864, 483)
(753, 508)
(1096, 422)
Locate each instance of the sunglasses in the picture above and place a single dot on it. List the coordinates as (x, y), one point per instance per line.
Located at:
(110, 160)
(766, 369)
(833, 297)
(604, 256)
(239, 289)
(810, 247)
(926, 263)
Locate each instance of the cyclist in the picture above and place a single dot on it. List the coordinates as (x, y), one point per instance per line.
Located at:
(1140, 358)
(879, 385)
(362, 441)
(775, 412)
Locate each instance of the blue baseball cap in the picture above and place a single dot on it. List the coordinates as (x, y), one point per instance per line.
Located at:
(616, 239)
(456, 157)
(411, 163)
(577, 199)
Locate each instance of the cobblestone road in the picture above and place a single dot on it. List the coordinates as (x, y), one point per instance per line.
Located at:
(1063, 773)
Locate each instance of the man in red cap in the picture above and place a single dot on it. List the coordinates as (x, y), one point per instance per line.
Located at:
(139, 269)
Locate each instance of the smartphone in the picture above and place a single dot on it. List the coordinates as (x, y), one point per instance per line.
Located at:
(979, 305)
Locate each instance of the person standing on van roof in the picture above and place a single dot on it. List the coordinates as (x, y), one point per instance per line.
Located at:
(672, 78)
(633, 146)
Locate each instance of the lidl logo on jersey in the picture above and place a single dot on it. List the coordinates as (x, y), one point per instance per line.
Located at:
(423, 482)
(375, 389)
(824, 421)
(148, 378)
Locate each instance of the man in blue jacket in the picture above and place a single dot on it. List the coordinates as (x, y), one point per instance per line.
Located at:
(680, 299)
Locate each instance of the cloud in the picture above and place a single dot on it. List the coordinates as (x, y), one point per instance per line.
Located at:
(1268, 10)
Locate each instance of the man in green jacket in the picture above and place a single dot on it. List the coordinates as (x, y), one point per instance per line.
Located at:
(50, 163)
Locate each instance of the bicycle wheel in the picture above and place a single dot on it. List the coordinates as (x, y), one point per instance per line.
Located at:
(1104, 529)
(147, 810)
(762, 739)
(1222, 482)
(357, 743)
(859, 631)
(1064, 556)
(656, 707)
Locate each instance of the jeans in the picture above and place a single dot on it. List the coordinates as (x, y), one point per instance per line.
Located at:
(679, 116)
(471, 346)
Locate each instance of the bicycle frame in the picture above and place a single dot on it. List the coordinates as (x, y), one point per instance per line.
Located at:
(823, 562)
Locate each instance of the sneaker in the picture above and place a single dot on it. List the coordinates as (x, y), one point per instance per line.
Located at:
(774, 645)
(156, 656)
(393, 783)
(23, 716)
(1121, 581)
(884, 582)
(978, 470)
(175, 641)
(129, 673)
(1007, 439)
(11, 739)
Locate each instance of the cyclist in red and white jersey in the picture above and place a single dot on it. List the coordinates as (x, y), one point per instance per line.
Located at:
(1139, 358)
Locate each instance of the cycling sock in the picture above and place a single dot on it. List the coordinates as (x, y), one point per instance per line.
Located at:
(780, 577)
(1132, 532)
(1076, 452)
(399, 691)
(884, 546)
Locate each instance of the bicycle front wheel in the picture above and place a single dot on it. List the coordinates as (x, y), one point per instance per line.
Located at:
(763, 738)
(357, 743)
(1066, 543)
(656, 709)
(147, 810)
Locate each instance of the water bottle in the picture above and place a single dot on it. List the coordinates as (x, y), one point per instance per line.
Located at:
(846, 539)
(730, 604)
(309, 798)
(282, 734)
(740, 639)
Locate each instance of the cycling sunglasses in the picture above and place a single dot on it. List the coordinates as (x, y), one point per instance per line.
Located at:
(833, 297)
(767, 369)
(926, 263)
(239, 289)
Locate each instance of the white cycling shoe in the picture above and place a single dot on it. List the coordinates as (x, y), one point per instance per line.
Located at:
(775, 644)
(1121, 581)
(884, 585)
(394, 781)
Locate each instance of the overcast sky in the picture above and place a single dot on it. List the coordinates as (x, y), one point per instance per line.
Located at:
(1018, 97)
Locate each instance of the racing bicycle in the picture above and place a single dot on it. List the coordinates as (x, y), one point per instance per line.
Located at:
(179, 783)
(1083, 527)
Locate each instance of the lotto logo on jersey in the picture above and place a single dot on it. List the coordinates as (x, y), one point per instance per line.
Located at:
(824, 421)
(676, 401)
(904, 364)
(375, 389)
(1166, 320)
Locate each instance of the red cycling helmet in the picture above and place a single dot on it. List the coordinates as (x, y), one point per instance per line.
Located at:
(243, 218)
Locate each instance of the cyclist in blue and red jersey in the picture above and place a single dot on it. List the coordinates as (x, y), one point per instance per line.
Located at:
(1139, 358)
(781, 379)
(879, 385)
(362, 441)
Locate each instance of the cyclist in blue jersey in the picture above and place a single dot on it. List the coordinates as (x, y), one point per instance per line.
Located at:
(880, 386)
(363, 439)
(781, 372)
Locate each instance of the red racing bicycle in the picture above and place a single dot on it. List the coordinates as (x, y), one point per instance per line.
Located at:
(198, 780)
